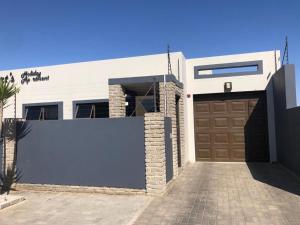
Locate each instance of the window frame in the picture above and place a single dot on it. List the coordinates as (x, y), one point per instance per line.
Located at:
(258, 64)
(58, 104)
(91, 101)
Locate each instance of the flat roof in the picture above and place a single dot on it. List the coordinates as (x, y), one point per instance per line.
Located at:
(145, 79)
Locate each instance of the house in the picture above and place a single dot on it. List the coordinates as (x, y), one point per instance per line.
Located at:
(220, 108)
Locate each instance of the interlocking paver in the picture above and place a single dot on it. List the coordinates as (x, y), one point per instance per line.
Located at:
(228, 194)
(48, 208)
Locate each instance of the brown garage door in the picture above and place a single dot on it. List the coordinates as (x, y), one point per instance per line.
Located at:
(231, 127)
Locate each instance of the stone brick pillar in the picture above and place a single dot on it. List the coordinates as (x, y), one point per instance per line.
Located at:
(171, 112)
(9, 144)
(117, 106)
(155, 153)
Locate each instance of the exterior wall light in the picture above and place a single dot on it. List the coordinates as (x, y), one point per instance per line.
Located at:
(227, 86)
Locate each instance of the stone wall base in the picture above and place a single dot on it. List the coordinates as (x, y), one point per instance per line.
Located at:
(78, 189)
(87, 189)
(162, 192)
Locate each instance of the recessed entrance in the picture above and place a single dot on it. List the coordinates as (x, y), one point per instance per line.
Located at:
(231, 127)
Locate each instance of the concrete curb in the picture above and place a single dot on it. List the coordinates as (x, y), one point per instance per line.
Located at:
(78, 189)
(11, 200)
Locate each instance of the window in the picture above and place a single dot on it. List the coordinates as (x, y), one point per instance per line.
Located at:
(144, 104)
(229, 69)
(92, 110)
(217, 71)
(41, 112)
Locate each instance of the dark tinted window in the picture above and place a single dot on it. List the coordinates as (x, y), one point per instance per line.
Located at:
(148, 105)
(51, 112)
(101, 110)
(144, 104)
(130, 108)
(43, 112)
(84, 111)
(33, 112)
(92, 110)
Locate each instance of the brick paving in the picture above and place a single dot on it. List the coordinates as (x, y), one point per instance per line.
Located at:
(228, 194)
(58, 208)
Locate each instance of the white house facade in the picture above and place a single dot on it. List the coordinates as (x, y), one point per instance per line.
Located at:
(221, 96)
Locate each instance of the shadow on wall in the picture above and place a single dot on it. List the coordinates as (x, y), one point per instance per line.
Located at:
(287, 129)
(287, 118)
(256, 130)
(11, 175)
(276, 176)
(23, 129)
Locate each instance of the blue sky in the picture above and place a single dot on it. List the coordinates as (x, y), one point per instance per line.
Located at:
(37, 32)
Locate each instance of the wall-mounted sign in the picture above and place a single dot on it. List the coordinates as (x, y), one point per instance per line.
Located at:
(8, 78)
(26, 77)
(36, 76)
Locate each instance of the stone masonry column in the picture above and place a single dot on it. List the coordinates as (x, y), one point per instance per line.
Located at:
(117, 106)
(9, 144)
(155, 153)
(171, 112)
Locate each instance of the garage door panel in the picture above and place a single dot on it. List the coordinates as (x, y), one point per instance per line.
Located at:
(220, 138)
(238, 154)
(238, 107)
(203, 138)
(200, 145)
(218, 107)
(260, 138)
(221, 122)
(258, 155)
(256, 107)
(202, 108)
(202, 123)
(237, 138)
(255, 113)
(256, 103)
(222, 154)
(204, 154)
(258, 122)
(238, 121)
(231, 129)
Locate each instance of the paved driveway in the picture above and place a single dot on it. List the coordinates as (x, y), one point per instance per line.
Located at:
(228, 194)
(50, 208)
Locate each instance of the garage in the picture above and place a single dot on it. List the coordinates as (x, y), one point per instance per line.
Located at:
(231, 127)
